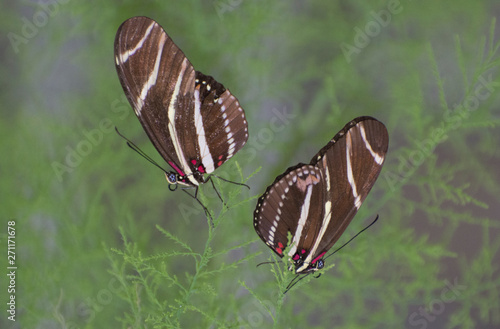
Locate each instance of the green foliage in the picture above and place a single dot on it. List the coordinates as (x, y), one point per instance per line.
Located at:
(158, 297)
(101, 242)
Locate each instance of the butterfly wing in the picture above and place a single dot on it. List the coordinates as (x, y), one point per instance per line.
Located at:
(220, 124)
(172, 101)
(152, 70)
(350, 163)
(293, 203)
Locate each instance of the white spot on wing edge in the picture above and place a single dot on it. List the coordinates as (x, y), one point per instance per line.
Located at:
(230, 151)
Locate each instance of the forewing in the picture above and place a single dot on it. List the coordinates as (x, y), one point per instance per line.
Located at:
(350, 163)
(155, 74)
(195, 123)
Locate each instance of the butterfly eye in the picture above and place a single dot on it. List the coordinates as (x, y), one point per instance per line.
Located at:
(171, 178)
(319, 264)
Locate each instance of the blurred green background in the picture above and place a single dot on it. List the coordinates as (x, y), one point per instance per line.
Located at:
(102, 243)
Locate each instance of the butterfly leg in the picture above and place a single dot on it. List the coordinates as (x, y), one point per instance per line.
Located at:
(216, 191)
(295, 280)
(230, 181)
(195, 196)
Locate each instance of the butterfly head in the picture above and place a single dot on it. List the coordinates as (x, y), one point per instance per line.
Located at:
(301, 265)
(175, 179)
(302, 268)
(171, 177)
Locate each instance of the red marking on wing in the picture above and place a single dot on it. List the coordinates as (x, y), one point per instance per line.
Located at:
(193, 162)
(280, 245)
(201, 169)
(279, 251)
(303, 251)
(176, 168)
(219, 163)
(220, 157)
(318, 258)
(296, 257)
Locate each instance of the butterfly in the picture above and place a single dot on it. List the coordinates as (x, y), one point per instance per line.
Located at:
(315, 202)
(193, 121)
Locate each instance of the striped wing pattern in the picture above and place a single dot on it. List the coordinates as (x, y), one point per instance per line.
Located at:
(316, 202)
(192, 120)
(280, 210)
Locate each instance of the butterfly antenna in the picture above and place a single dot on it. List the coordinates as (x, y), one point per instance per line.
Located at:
(138, 150)
(345, 244)
(265, 263)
